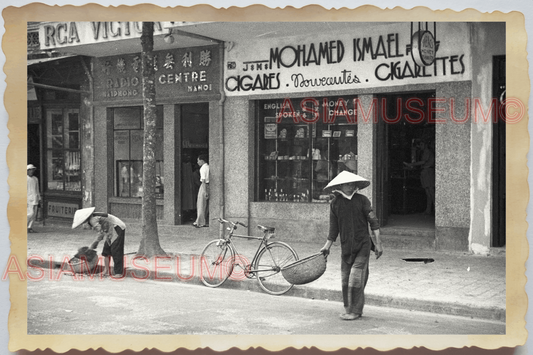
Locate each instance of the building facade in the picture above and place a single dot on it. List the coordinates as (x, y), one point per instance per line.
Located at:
(280, 113)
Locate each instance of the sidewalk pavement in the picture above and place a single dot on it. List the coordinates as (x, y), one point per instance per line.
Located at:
(455, 283)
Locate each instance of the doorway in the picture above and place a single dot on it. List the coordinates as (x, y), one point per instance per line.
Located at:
(498, 158)
(34, 145)
(194, 142)
(404, 136)
(34, 157)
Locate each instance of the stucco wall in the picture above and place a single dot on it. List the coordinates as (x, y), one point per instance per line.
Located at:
(293, 221)
(487, 40)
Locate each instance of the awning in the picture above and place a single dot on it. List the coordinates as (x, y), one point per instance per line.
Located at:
(45, 60)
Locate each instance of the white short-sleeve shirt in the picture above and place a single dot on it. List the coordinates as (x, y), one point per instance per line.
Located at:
(204, 173)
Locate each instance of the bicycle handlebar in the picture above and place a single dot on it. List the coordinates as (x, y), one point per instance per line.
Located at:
(221, 220)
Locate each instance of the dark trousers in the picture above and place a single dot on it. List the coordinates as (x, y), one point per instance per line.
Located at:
(354, 278)
(116, 250)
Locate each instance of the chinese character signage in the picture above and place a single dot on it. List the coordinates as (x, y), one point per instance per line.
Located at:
(187, 72)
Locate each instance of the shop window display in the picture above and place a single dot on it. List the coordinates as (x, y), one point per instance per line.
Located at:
(128, 152)
(303, 144)
(63, 150)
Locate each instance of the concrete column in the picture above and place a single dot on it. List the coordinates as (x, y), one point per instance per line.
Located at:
(103, 158)
(488, 40)
(172, 170)
(238, 157)
(365, 138)
(452, 169)
(87, 147)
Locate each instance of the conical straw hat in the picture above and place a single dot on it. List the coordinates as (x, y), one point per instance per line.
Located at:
(81, 216)
(346, 177)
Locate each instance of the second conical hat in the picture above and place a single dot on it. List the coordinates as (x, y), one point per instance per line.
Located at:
(80, 216)
(346, 177)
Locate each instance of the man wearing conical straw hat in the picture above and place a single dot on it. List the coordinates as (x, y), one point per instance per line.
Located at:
(350, 217)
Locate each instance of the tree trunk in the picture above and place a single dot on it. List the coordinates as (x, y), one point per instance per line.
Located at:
(149, 246)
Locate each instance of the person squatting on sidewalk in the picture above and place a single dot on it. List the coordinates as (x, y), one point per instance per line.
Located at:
(34, 198)
(110, 229)
(350, 217)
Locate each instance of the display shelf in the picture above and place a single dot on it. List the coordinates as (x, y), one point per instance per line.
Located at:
(302, 157)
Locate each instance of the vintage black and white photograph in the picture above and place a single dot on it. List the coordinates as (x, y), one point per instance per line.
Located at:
(251, 178)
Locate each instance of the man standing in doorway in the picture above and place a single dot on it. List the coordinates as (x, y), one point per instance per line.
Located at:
(202, 202)
(34, 198)
(427, 174)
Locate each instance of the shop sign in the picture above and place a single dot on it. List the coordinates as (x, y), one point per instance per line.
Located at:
(368, 58)
(184, 72)
(61, 209)
(67, 34)
(34, 114)
(423, 48)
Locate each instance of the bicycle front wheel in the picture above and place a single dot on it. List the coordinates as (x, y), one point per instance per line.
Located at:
(268, 267)
(216, 263)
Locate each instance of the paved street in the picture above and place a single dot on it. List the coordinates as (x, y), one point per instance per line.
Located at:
(454, 284)
(129, 306)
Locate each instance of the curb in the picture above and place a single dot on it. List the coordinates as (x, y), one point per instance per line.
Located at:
(445, 308)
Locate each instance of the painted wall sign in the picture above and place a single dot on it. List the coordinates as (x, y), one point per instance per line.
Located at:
(61, 209)
(375, 56)
(185, 72)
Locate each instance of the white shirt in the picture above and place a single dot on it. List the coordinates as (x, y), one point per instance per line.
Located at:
(116, 221)
(204, 173)
(33, 190)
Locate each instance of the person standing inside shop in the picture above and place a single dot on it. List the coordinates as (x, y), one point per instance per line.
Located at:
(202, 202)
(110, 229)
(34, 197)
(427, 174)
(351, 215)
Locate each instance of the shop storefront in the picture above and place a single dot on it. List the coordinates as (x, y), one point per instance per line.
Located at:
(187, 80)
(281, 113)
(321, 103)
(55, 89)
(187, 84)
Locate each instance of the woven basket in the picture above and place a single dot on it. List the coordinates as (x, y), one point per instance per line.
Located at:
(305, 270)
(76, 265)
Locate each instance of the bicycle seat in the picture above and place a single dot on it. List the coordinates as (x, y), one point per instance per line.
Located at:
(266, 229)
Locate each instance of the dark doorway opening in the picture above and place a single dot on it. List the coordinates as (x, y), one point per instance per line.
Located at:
(34, 157)
(403, 124)
(34, 146)
(498, 157)
(194, 141)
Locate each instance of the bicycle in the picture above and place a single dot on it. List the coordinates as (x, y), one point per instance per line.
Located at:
(220, 258)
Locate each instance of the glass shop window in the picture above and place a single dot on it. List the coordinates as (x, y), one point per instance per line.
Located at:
(128, 151)
(303, 143)
(63, 157)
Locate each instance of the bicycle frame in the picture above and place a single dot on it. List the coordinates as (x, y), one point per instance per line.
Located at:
(264, 242)
(269, 259)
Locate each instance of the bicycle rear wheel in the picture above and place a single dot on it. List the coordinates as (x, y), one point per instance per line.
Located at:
(216, 263)
(268, 267)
